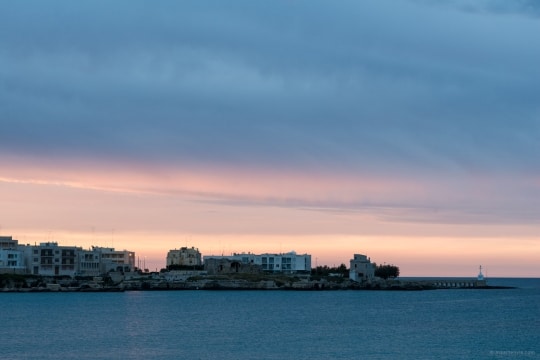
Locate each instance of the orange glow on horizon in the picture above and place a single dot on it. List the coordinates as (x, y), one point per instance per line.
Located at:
(225, 211)
(439, 256)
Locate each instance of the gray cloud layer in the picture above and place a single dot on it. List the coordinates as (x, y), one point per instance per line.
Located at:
(355, 86)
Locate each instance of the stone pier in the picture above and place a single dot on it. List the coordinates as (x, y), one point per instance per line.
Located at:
(455, 283)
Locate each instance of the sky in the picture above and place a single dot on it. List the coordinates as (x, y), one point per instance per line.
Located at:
(406, 130)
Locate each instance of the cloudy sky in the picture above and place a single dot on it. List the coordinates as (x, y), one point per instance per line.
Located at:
(407, 130)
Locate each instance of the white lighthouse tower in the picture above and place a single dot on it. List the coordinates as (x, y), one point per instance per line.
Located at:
(480, 275)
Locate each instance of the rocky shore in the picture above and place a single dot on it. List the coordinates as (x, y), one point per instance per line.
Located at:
(157, 281)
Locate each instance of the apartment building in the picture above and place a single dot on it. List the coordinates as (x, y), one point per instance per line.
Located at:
(51, 259)
(277, 263)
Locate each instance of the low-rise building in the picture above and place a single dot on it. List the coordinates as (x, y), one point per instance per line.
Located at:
(361, 268)
(89, 263)
(7, 242)
(11, 257)
(277, 263)
(224, 266)
(184, 257)
(50, 259)
(12, 261)
(115, 260)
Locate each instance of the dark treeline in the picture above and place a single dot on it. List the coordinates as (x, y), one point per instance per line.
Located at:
(386, 271)
(184, 267)
(382, 271)
(325, 270)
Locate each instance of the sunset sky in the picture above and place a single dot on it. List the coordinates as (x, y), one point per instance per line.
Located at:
(407, 130)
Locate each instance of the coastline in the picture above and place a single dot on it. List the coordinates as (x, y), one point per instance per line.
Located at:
(304, 282)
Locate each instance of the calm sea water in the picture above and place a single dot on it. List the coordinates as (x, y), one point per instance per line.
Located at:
(440, 324)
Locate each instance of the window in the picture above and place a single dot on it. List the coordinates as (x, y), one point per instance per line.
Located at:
(68, 253)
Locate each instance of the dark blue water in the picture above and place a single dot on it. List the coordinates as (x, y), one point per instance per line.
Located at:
(443, 324)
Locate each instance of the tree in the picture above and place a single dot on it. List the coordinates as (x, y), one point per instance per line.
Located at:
(387, 271)
(320, 270)
(326, 270)
(343, 270)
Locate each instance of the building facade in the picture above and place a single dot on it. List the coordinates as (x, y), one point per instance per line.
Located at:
(12, 261)
(225, 266)
(276, 263)
(115, 260)
(7, 242)
(89, 263)
(361, 268)
(11, 257)
(184, 257)
(51, 259)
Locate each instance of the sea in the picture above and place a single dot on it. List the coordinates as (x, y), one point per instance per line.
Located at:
(269, 324)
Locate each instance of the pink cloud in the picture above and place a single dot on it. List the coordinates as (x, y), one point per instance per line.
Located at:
(151, 210)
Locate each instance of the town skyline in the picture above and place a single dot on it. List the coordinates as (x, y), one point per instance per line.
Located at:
(158, 260)
(407, 130)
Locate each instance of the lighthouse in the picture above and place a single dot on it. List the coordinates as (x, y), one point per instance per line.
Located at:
(480, 275)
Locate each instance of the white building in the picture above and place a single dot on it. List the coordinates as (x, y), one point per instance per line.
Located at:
(280, 263)
(50, 259)
(361, 268)
(12, 261)
(89, 263)
(115, 260)
(184, 257)
(11, 257)
(7, 242)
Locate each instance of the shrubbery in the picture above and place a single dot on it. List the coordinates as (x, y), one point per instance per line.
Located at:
(386, 271)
